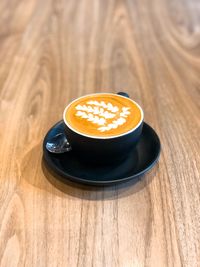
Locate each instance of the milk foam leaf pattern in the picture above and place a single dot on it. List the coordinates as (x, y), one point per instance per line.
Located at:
(115, 124)
(90, 117)
(99, 112)
(125, 112)
(108, 106)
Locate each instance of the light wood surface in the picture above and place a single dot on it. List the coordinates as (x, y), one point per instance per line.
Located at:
(54, 51)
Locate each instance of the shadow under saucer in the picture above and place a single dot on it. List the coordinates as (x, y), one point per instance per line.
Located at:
(93, 193)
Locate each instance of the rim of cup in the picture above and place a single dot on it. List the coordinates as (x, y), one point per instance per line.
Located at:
(102, 137)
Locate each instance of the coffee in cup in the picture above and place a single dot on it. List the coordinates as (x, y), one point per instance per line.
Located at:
(103, 126)
(103, 115)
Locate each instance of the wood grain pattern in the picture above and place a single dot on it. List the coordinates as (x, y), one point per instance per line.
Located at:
(54, 51)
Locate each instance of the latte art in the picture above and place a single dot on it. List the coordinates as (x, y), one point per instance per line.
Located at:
(98, 113)
(103, 115)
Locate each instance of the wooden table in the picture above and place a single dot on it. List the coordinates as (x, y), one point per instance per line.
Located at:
(54, 51)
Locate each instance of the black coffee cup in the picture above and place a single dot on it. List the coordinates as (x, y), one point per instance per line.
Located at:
(103, 149)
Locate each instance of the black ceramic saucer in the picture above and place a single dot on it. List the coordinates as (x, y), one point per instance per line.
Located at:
(139, 161)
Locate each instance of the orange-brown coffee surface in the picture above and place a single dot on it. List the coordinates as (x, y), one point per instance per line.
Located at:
(103, 115)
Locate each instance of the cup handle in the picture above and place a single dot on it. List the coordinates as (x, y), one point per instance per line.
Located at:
(123, 94)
